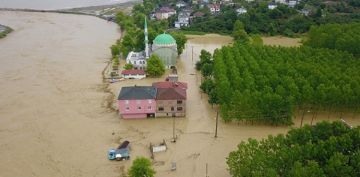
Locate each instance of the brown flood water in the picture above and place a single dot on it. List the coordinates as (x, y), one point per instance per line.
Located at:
(53, 115)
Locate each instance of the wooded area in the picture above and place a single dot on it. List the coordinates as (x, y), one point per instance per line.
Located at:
(326, 149)
(344, 37)
(267, 84)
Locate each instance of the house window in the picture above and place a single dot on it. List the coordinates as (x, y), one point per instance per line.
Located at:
(134, 62)
(172, 108)
(139, 107)
(161, 108)
(179, 101)
(149, 107)
(127, 108)
(179, 108)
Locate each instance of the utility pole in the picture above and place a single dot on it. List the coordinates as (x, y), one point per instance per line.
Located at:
(217, 119)
(174, 138)
(302, 118)
(192, 54)
(206, 170)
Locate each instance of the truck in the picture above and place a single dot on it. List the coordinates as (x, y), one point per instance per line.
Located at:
(121, 153)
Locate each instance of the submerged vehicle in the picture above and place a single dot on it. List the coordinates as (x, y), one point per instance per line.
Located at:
(121, 153)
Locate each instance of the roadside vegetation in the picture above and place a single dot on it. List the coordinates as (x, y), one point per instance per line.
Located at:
(326, 149)
(6, 30)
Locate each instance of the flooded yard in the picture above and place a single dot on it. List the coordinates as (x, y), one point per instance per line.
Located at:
(54, 119)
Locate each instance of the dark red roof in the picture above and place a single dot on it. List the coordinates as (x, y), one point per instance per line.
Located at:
(133, 72)
(198, 14)
(171, 94)
(169, 84)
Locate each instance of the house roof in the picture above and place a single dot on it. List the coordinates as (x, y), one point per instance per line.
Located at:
(198, 14)
(216, 6)
(171, 94)
(165, 10)
(164, 39)
(169, 84)
(137, 93)
(133, 72)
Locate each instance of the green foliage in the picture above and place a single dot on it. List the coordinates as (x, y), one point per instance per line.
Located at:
(256, 40)
(115, 50)
(5, 32)
(239, 33)
(155, 67)
(344, 37)
(128, 66)
(266, 84)
(180, 41)
(141, 167)
(282, 20)
(326, 149)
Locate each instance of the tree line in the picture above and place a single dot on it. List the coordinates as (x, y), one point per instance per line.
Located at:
(326, 149)
(282, 20)
(267, 84)
(344, 37)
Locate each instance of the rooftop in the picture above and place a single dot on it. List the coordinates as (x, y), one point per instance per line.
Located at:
(133, 72)
(137, 93)
(168, 84)
(171, 94)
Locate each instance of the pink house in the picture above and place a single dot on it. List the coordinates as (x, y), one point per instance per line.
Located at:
(137, 102)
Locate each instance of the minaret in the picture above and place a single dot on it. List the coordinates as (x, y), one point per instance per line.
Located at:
(146, 40)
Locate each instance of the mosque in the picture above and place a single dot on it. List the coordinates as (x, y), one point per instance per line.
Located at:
(164, 46)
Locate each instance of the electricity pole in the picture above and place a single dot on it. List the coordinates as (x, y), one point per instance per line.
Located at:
(217, 120)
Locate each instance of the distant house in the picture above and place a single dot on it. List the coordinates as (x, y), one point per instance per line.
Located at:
(292, 3)
(170, 99)
(137, 102)
(241, 10)
(133, 74)
(198, 14)
(183, 20)
(164, 13)
(214, 8)
(272, 6)
(305, 12)
(181, 4)
(280, 1)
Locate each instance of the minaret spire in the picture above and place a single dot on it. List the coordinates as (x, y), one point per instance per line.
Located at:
(146, 40)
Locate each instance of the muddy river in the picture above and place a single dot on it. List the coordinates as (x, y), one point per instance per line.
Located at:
(54, 119)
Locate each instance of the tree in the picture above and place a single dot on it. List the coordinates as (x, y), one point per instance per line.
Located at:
(180, 41)
(141, 167)
(128, 66)
(115, 50)
(155, 67)
(239, 33)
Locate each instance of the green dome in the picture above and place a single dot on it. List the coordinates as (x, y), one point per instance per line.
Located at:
(164, 39)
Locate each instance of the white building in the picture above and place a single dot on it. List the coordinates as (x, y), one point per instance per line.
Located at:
(183, 20)
(214, 8)
(241, 10)
(272, 6)
(280, 1)
(181, 4)
(292, 3)
(138, 59)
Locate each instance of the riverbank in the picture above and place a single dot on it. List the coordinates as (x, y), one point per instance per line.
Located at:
(4, 30)
(106, 12)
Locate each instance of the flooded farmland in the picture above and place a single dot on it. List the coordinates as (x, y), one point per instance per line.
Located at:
(53, 115)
